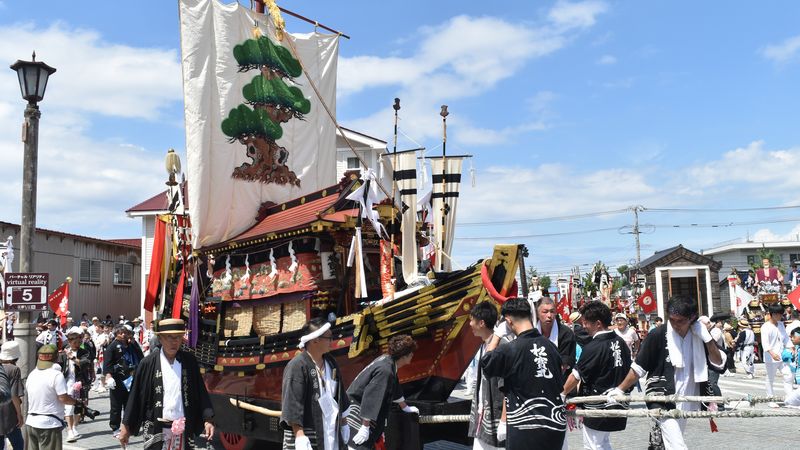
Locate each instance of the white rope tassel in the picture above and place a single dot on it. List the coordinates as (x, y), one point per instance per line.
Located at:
(272, 264)
(293, 266)
(228, 275)
(246, 275)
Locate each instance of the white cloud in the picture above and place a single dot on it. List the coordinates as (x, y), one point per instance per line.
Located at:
(85, 183)
(607, 60)
(93, 75)
(576, 15)
(766, 235)
(461, 58)
(783, 52)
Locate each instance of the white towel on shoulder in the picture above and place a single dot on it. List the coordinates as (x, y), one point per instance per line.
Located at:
(699, 366)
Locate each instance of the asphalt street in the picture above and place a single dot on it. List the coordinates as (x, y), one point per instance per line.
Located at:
(768, 433)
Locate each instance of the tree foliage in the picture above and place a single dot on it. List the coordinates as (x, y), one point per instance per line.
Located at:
(255, 53)
(772, 256)
(263, 91)
(243, 121)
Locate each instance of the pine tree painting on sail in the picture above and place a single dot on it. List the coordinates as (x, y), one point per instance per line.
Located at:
(273, 102)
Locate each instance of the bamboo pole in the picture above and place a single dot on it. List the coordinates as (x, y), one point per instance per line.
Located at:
(673, 399)
(254, 408)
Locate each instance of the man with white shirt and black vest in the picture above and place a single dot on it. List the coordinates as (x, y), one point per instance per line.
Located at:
(168, 402)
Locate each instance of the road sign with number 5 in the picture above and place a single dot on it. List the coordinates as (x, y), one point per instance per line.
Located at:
(25, 291)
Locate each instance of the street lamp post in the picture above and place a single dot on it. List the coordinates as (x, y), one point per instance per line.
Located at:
(33, 77)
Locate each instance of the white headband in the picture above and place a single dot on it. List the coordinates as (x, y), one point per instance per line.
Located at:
(314, 334)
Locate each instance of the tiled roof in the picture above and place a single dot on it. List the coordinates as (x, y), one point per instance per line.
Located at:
(134, 242)
(286, 218)
(119, 242)
(157, 202)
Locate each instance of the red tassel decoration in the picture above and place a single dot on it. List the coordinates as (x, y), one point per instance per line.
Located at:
(713, 424)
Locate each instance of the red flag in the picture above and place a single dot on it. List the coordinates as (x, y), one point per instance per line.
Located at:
(156, 263)
(177, 302)
(58, 301)
(563, 308)
(794, 297)
(647, 302)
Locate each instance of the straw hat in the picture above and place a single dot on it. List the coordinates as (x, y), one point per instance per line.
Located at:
(171, 326)
(10, 351)
(46, 356)
(575, 316)
(744, 323)
(727, 327)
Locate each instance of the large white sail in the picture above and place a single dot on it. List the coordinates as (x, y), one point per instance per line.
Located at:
(446, 181)
(255, 130)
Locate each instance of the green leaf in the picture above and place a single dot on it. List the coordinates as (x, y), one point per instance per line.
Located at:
(243, 121)
(276, 92)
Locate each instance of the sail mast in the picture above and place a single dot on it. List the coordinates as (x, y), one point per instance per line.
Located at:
(443, 224)
(396, 107)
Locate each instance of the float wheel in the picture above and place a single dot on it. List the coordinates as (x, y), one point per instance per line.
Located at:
(232, 441)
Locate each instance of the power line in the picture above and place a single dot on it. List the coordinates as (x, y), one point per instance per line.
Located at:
(529, 236)
(763, 208)
(598, 230)
(545, 219)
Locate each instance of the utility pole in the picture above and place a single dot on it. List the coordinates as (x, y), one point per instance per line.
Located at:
(636, 231)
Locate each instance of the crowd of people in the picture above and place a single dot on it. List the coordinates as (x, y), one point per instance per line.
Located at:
(530, 363)
(72, 359)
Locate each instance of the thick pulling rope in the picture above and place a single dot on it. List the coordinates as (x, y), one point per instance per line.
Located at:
(679, 414)
(674, 398)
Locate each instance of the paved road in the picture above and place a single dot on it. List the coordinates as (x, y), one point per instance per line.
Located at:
(767, 433)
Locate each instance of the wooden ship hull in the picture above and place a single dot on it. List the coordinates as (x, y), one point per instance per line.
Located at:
(243, 364)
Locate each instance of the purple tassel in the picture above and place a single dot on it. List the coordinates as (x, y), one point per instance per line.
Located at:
(194, 308)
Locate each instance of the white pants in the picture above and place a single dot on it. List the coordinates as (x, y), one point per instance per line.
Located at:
(672, 433)
(793, 399)
(777, 366)
(478, 445)
(747, 360)
(595, 439)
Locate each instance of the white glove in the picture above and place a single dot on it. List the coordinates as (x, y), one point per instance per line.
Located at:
(501, 431)
(700, 330)
(612, 394)
(362, 435)
(501, 329)
(411, 409)
(110, 383)
(302, 443)
(345, 433)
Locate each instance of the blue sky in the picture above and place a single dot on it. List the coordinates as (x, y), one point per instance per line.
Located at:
(567, 107)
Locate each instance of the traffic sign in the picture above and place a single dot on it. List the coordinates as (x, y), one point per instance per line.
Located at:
(25, 291)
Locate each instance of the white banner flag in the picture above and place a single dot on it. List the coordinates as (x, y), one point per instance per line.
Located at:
(405, 175)
(446, 180)
(255, 130)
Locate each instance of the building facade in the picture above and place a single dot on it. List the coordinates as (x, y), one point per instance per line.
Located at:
(680, 271)
(105, 273)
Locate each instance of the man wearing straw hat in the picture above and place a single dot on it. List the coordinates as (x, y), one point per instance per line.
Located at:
(168, 401)
(745, 341)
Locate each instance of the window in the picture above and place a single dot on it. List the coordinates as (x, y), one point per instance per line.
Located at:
(123, 273)
(90, 271)
(751, 259)
(794, 257)
(353, 163)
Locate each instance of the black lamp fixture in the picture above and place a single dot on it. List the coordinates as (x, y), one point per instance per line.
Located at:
(33, 77)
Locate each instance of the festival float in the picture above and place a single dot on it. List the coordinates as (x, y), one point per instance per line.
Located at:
(262, 237)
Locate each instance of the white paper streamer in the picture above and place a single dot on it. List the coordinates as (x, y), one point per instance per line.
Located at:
(293, 266)
(272, 264)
